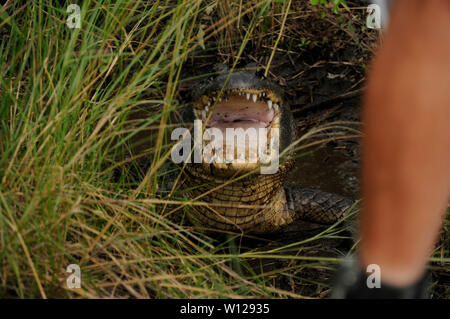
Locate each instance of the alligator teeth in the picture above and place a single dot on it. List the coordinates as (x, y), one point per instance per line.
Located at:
(247, 96)
(269, 103)
(275, 106)
(254, 97)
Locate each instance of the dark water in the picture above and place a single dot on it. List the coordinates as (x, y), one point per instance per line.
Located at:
(328, 169)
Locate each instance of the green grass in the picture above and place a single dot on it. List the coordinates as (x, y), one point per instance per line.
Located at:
(68, 105)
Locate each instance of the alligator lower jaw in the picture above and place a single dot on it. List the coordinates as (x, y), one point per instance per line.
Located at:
(257, 111)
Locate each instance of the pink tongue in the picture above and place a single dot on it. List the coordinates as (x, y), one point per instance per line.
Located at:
(238, 112)
(242, 124)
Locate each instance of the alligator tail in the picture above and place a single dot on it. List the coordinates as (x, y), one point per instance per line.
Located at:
(317, 206)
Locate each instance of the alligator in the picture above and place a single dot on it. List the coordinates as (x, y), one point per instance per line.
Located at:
(236, 196)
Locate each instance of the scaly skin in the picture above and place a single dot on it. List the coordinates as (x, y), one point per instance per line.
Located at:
(254, 202)
(265, 192)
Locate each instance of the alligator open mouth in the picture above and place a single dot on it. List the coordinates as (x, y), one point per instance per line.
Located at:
(248, 113)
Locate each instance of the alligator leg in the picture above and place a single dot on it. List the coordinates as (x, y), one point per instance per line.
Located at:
(315, 205)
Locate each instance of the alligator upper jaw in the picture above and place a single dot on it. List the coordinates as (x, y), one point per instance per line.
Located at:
(245, 109)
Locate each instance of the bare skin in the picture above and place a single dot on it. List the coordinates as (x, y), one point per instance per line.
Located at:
(406, 147)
